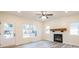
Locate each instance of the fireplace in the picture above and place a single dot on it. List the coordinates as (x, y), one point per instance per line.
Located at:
(58, 38)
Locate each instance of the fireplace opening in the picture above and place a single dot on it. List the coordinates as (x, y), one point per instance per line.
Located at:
(58, 38)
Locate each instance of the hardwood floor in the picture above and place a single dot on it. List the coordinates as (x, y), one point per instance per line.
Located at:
(46, 44)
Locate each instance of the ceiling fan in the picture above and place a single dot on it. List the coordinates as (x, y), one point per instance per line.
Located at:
(44, 15)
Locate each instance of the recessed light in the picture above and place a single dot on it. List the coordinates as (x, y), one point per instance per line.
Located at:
(18, 11)
(66, 11)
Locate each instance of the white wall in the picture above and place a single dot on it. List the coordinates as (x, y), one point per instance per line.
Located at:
(64, 22)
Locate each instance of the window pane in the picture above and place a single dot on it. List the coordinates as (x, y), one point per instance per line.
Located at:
(29, 30)
(47, 29)
(8, 31)
(74, 29)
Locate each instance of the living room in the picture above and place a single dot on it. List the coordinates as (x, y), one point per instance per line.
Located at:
(22, 28)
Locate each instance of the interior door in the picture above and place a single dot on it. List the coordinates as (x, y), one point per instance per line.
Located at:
(8, 34)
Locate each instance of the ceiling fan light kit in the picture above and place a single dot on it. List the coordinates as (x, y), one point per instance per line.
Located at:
(43, 17)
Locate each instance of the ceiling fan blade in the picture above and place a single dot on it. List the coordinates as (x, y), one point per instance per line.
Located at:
(41, 13)
(49, 14)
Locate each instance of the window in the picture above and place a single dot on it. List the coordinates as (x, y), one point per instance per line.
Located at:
(29, 30)
(74, 29)
(8, 31)
(47, 29)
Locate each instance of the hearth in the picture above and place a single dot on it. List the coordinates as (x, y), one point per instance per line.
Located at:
(58, 38)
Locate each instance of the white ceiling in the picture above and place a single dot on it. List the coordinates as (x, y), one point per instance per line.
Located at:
(32, 14)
